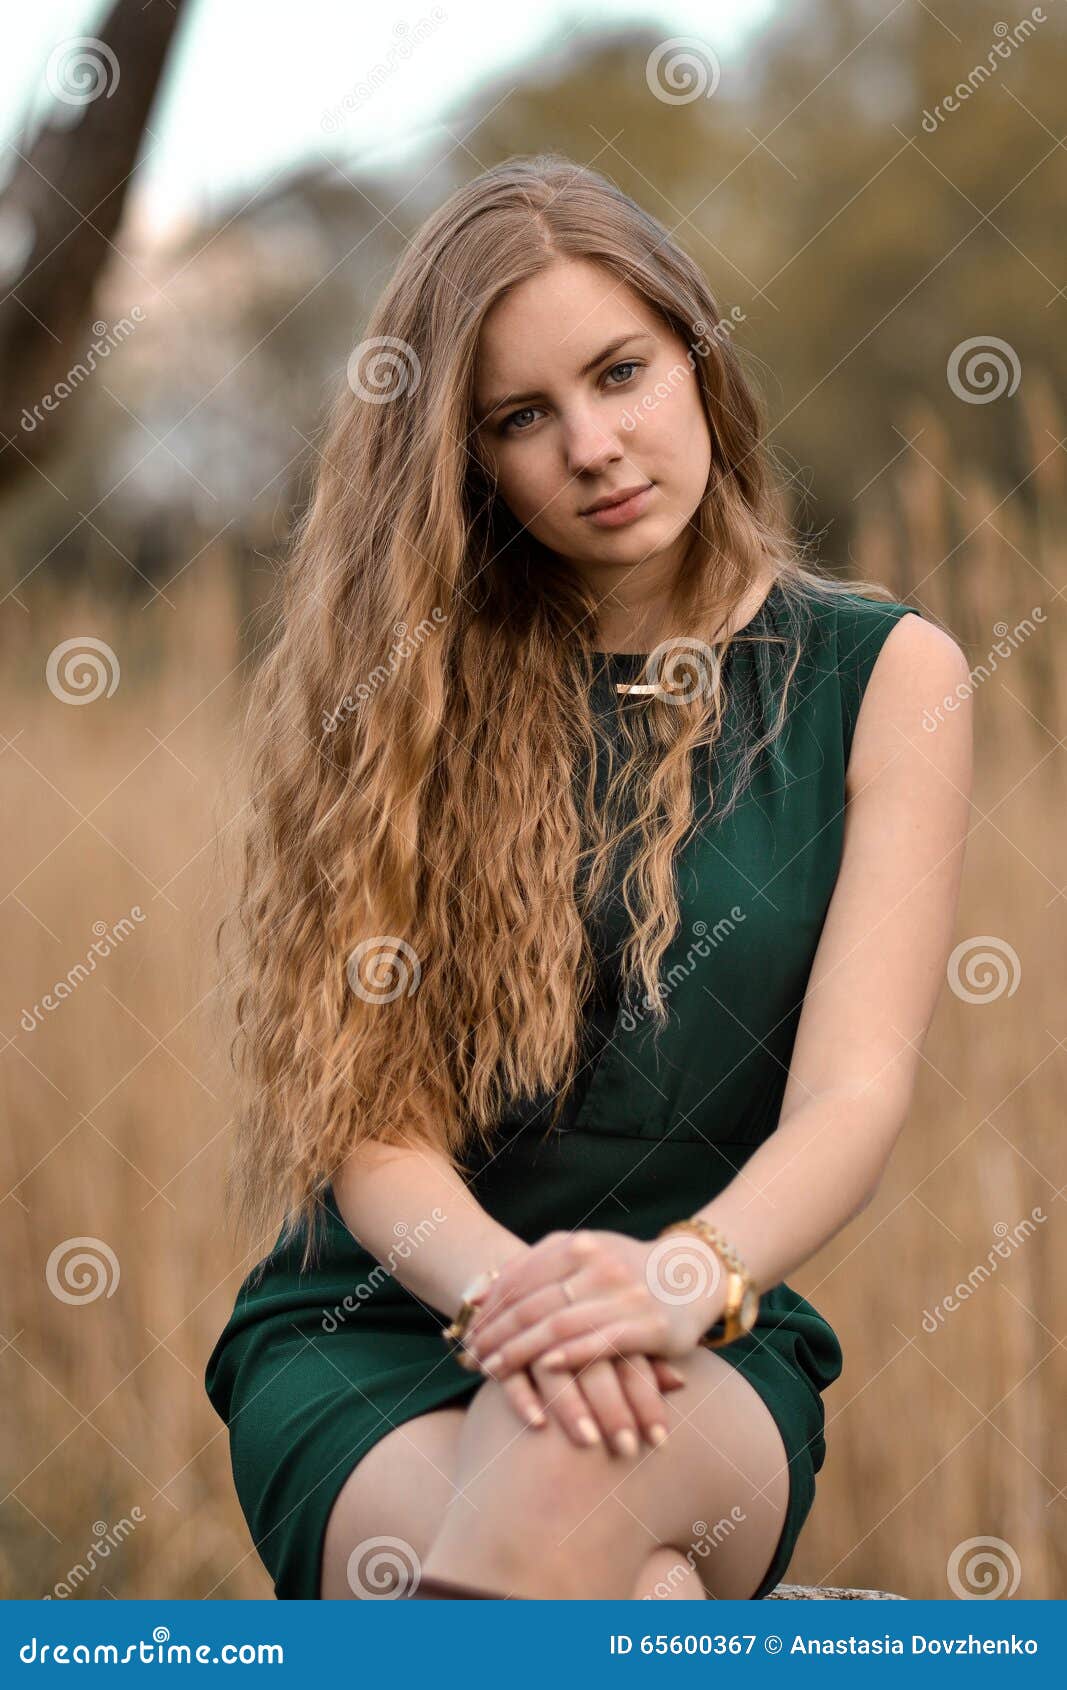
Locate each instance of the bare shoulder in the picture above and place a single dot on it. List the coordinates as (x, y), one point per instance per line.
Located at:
(916, 708)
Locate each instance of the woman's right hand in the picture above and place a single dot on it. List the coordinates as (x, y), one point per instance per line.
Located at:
(613, 1395)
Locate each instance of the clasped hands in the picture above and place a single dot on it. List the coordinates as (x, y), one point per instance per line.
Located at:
(586, 1326)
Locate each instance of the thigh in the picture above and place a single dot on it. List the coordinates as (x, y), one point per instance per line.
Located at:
(390, 1507)
(716, 1490)
(718, 1486)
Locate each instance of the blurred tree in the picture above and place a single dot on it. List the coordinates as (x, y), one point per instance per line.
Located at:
(61, 207)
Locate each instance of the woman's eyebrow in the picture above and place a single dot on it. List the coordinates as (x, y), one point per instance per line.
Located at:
(606, 352)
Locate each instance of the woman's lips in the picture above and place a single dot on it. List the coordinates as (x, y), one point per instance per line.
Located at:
(617, 516)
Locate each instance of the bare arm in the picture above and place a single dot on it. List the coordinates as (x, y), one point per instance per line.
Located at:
(414, 1213)
(878, 970)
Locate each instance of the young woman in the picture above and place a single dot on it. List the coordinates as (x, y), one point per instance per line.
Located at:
(593, 932)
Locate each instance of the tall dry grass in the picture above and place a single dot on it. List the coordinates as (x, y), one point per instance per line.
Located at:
(118, 1103)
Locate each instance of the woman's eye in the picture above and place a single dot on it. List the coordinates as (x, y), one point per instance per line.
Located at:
(508, 425)
(525, 412)
(627, 364)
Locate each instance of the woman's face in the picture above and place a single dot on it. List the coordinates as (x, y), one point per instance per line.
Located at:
(582, 392)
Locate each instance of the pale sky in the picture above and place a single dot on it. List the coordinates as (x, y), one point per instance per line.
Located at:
(256, 84)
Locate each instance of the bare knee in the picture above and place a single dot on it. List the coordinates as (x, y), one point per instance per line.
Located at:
(541, 1518)
(540, 1469)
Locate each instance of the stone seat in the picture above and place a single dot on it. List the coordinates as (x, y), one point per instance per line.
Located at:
(829, 1592)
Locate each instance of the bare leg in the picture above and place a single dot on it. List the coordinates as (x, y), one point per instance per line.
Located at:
(398, 1495)
(536, 1516)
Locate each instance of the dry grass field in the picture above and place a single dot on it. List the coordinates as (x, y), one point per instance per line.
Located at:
(121, 819)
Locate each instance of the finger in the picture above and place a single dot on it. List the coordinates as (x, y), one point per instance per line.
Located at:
(637, 1379)
(526, 1302)
(554, 1336)
(487, 1332)
(489, 1329)
(523, 1273)
(611, 1407)
(553, 1257)
(668, 1377)
(642, 1334)
(525, 1399)
(566, 1403)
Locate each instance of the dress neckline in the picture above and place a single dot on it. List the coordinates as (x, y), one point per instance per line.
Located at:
(629, 658)
(630, 663)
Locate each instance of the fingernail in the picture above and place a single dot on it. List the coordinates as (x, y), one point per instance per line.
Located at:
(626, 1442)
(554, 1358)
(491, 1363)
(534, 1416)
(587, 1431)
(657, 1433)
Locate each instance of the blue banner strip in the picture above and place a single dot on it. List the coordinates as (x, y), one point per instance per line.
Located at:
(519, 1644)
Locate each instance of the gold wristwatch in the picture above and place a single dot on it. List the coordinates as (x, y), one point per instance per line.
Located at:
(742, 1298)
(454, 1333)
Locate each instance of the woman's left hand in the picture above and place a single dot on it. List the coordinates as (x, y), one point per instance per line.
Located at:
(625, 1295)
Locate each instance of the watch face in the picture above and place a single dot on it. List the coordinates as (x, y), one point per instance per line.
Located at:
(749, 1307)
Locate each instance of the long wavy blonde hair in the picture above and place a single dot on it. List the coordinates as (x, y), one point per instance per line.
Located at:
(423, 847)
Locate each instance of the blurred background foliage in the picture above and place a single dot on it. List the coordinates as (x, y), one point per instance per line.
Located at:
(861, 249)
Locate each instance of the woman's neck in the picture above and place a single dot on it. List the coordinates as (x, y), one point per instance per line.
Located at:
(621, 631)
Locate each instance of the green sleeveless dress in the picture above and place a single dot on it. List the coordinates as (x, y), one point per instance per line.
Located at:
(311, 1370)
